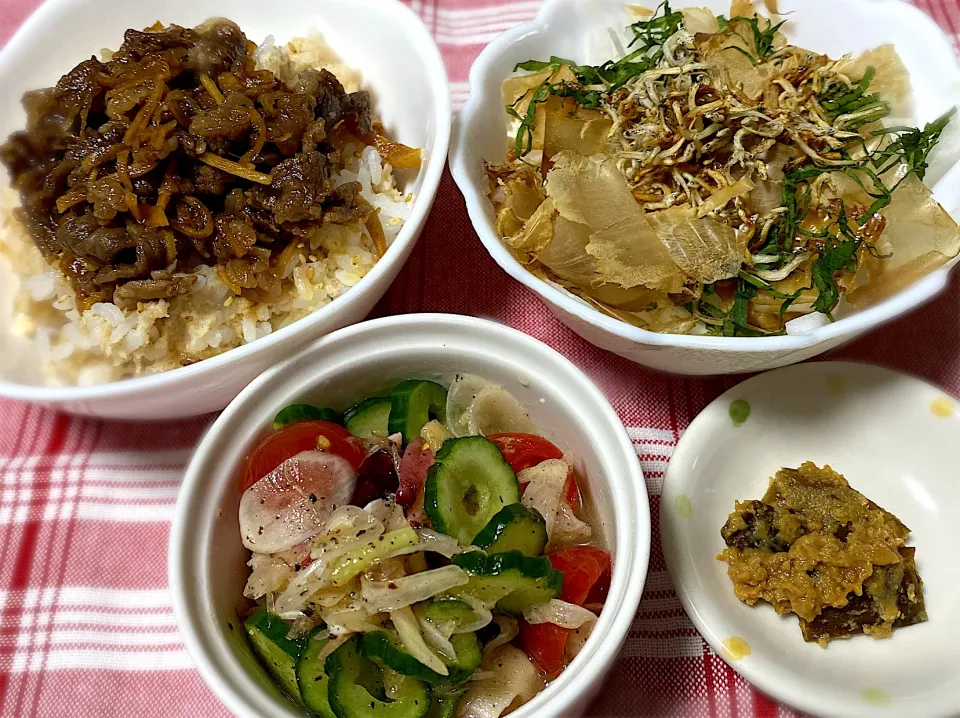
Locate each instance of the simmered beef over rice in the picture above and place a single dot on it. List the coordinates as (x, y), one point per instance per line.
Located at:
(178, 152)
(189, 194)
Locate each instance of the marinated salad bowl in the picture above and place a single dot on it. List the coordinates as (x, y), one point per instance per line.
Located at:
(399, 63)
(582, 32)
(208, 561)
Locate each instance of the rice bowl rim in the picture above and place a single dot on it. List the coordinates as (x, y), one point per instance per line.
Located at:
(463, 164)
(420, 39)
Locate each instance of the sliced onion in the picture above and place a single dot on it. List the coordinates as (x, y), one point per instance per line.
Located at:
(310, 585)
(432, 541)
(559, 613)
(496, 410)
(578, 639)
(399, 592)
(349, 527)
(435, 637)
(460, 396)
(509, 629)
(546, 483)
(293, 502)
(408, 629)
(389, 513)
(353, 620)
(346, 525)
(269, 574)
(515, 681)
(568, 530)
(545, 493)
(439, 543)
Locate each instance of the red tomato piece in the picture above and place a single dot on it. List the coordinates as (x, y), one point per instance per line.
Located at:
(582, 567)
(598, 594)
(545, 644)
(298, 437)
(522, 451)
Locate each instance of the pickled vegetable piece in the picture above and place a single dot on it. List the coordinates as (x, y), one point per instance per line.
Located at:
(816, 547)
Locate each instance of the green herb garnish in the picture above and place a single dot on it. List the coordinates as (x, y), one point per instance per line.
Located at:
(859, 106)
(762, 39)
(594, 81)
(912, 146)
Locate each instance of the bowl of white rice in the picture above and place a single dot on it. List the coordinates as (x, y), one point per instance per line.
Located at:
(193, 353)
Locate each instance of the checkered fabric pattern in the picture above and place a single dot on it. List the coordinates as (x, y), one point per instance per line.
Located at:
(86, 627)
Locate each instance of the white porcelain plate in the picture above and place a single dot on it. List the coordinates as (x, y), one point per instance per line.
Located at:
(895, 439)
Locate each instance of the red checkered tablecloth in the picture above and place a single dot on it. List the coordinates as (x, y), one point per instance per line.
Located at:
(86, 627)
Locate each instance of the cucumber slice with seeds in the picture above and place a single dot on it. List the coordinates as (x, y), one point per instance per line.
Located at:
(387, 649)
(268, 637)
(514, 528)
(359, 688)
(444, 609)
(371, 416)
(414, 402)
(312, 676)
(511, 580)
(444, 705)
(468, 484)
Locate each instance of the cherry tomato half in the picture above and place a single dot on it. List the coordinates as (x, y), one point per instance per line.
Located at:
(522, 451)
(298, 437)
(583, 568)
(545, 643)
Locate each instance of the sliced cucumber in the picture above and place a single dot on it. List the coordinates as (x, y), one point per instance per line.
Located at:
(414, 402)
(359, 688)
(514, 528)
(268, 636)
(467, 485)
(387, 650)
(444, 704)
(369, 417)
(444, 609)
(312, 676)
(305, 412)
(511, 580)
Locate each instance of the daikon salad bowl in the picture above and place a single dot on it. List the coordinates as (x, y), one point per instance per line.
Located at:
(581, 30)
(207, 560)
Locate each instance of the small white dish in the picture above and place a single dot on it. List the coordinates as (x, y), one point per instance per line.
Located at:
(207, 561)
(399, 62)
(894, 438)
(580, 30)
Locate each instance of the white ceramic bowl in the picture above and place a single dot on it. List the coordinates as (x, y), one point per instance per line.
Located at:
(894, 438)
(207, 559)
(401, 65)
(578, 29)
